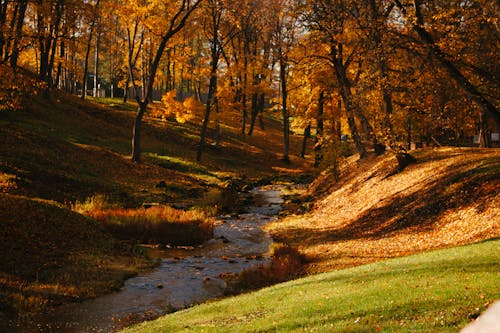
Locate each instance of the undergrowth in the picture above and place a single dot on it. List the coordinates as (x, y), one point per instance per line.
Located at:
(286, 263)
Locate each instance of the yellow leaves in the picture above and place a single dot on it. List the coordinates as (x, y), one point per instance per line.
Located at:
(182, 110)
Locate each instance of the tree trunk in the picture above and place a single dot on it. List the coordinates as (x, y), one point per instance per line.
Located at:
(307, 135)
(318, 141)
(204, 127)
(262, 102)
(86, 65)
(346, 94)
(18, 34)
(96, 64)
(3, 19)
(136, 132)
(254, 112)
(286, 119)
(244, 97)
(484, 133)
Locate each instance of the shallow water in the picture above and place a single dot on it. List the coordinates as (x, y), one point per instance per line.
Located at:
(186, 276)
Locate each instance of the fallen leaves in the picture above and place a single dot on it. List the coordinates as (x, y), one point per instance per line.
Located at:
(451, 197)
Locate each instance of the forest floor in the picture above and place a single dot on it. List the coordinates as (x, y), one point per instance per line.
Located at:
(62, 150)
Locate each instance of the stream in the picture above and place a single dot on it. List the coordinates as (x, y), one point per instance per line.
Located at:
(185, 277)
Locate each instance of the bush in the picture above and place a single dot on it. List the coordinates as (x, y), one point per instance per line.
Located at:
(286, 263)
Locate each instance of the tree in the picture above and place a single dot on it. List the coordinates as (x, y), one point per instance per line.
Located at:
(331, 19)
(419, 25)
(164, 19)
(218, 33)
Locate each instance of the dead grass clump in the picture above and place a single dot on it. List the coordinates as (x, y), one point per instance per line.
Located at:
(97, 202)
(286, 263)
(164, 225)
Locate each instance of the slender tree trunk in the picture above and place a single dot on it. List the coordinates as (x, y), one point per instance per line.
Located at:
(3, 20)
(286, 119)
(126, 92)
(484, 133)
(244, 97)
(204, 127)
(253, 113)
(136, 132)
(307, 135)
(86, 65)
(318, 141)
(9, 45)
(96, 64)
(262, 102)
(18, 34)
(54, 37)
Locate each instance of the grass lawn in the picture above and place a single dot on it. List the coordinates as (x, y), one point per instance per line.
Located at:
(437, 291)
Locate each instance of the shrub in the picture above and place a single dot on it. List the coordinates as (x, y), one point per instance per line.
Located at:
(286, 263)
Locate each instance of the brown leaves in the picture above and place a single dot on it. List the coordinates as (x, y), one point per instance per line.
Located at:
(448, 198)
(15, 89)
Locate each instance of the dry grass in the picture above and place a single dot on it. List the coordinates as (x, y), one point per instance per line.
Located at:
(156, 225)
(450, 197)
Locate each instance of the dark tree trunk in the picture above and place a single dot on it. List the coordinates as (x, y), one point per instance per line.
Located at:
(262, 102)
(318, 142)
(346, 94)
(307, 135)
(18, 34)
(286, 119)
(86, 65)
(254, 112)
(206, 119)
(136, 132)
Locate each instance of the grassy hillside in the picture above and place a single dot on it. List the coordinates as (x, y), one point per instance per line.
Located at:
(57, 151)
(439, 291)
(451, 196)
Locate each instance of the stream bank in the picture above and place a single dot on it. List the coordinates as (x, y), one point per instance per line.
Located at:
(186, 276)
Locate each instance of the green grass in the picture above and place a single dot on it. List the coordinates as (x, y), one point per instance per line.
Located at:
(437, 291)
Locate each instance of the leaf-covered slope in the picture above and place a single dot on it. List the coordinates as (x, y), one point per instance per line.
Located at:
(450, 197)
